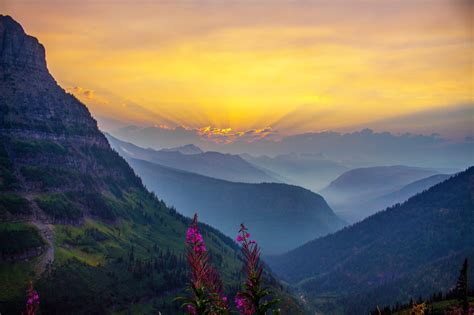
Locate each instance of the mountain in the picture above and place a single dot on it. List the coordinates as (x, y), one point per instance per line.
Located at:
(350, 193)
(74, 217)
(405, 251)
(185, 149)
(363, 208)
(290, 214)
(359, 148)
(403, 194)
(312, 171)
(214, 164)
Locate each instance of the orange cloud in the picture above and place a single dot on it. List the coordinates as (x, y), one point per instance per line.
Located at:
(228, 135)
(81, 92)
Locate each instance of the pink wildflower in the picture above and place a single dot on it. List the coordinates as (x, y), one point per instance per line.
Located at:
(33, 301)
(250, 300)
(205, 282)
(243, 305)
(191, 309)
(195, 239)
(239, 302)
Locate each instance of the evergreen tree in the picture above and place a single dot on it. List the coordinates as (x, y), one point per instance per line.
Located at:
(462, 286)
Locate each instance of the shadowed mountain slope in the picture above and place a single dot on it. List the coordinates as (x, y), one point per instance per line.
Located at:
(351, 193)
(405, 251)
(213, 164)
(270, 210)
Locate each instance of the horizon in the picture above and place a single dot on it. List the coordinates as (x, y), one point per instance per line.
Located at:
(242, 72)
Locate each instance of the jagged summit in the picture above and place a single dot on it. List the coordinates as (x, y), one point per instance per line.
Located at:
(49, 138)
(18, 50)
(32, 104)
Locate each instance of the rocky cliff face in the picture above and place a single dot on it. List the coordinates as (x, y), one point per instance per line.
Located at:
(50, 142)
(30, 99)
(18, 50)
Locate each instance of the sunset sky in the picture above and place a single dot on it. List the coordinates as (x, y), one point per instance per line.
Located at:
(235, 66)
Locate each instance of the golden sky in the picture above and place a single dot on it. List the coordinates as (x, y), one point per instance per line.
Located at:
(293, 66)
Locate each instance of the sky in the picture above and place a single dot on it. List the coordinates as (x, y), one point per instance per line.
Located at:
(243, 67)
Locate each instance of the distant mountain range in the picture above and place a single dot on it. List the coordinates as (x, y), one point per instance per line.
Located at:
(361, 192)
(406, 251)
(359, 148)
(291, 214)
(185, 149)
(312, 171)
(214, 164)
(403, 194)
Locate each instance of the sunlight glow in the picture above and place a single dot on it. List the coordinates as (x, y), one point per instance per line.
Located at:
(237, 66)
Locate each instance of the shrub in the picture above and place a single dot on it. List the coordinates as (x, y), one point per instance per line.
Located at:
(35, 147)
(17, 238)
(97, 204)
(59, 207)
(14, 204)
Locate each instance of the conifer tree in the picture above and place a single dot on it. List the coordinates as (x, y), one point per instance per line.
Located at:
(462, 286)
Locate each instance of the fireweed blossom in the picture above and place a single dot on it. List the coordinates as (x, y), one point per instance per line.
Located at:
(206, 286)
(32, 301)
(254, 298)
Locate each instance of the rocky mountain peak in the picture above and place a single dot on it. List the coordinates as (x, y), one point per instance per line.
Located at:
(19, 50)
(49, 141)
(32, 104)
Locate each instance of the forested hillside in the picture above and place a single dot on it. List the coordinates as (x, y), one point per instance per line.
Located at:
(410, 249)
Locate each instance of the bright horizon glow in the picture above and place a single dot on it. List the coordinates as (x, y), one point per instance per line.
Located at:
(290, 66)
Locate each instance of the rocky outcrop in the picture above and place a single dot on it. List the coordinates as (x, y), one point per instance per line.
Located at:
(19, 51)
(30, 99)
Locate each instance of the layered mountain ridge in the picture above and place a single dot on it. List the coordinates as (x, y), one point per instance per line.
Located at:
(213, 164)
(269, 209)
